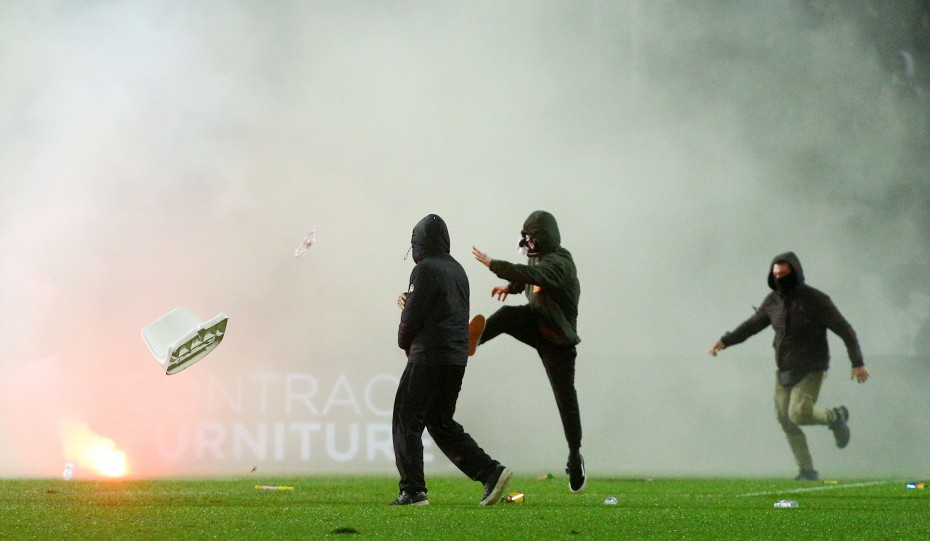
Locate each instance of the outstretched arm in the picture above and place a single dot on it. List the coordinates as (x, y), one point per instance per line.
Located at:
(758, 321)
(500, 292)
(481, 257)
(751, 326)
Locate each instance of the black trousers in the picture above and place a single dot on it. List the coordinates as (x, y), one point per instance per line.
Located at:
(426, 398)
(559, 362)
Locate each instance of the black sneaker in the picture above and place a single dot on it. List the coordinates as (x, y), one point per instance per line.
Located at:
(406, 498)
(577, 481)
(495, 485)
(839, 427)
(475, 330)
(807, 475)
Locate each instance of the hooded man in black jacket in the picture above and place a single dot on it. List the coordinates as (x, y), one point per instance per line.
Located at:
(548, 323)
(433, 332)
(800, 316)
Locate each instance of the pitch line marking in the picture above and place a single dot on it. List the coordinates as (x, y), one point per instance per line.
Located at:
(812, 489)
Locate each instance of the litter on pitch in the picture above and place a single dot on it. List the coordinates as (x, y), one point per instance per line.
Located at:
(179, 338)
(272, 487)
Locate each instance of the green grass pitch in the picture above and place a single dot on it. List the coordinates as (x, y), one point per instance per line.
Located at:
(351, 507)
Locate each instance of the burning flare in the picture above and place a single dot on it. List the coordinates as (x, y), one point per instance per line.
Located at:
(91, 451)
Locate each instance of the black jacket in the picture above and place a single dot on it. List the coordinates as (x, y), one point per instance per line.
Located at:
(800, 316)
(550, 280)
(434, 323)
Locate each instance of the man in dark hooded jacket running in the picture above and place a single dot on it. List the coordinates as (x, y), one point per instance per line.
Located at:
(800, 316)
(433, 332)
(548, 323)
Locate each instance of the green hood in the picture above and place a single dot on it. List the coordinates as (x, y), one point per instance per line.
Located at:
(541, 226)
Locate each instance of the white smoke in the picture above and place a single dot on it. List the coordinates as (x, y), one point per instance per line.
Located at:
(162, 154)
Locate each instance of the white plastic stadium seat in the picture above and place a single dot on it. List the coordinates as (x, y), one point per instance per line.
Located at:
(179, 338)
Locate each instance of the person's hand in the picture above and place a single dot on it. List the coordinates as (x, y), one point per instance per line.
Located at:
(481, 257)
(860, 374)
(500, 292)
(402, 300)
(718, 345)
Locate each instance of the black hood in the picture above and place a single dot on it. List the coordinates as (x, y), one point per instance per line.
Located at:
(430, 237)
(794, 279)
(541, 225)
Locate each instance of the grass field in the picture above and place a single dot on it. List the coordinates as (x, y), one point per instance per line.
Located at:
(356, 507)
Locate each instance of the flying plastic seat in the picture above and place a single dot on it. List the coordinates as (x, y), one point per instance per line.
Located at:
(179, 338)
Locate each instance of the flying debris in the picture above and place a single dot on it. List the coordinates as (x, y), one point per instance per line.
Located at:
(179, 338)
(305, 244)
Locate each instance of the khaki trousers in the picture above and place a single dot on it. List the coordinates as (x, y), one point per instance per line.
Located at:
(797, 406)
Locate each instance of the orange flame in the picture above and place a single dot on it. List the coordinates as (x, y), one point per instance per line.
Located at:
(95, 452)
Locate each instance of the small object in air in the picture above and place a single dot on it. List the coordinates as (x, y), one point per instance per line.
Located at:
(305, 244)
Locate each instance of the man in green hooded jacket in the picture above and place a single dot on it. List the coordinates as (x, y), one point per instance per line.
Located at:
(548, 323)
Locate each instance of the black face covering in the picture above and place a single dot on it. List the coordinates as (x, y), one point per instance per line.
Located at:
(788, 281)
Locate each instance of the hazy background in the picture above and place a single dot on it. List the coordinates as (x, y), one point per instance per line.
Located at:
(167, 153)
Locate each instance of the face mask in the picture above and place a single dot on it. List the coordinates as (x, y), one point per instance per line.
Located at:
(526, 245)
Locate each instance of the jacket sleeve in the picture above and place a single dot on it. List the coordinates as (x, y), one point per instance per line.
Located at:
(757, 322)
(550, 272)
(416, 307)
(828, 314)
(515, 287)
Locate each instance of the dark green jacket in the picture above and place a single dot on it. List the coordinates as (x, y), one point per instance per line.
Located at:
(549, 280)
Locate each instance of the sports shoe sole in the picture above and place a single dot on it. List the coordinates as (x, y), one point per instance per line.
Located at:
(499, 487)
(475, 330)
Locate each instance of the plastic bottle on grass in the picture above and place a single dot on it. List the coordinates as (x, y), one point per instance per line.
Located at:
(786, 504)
